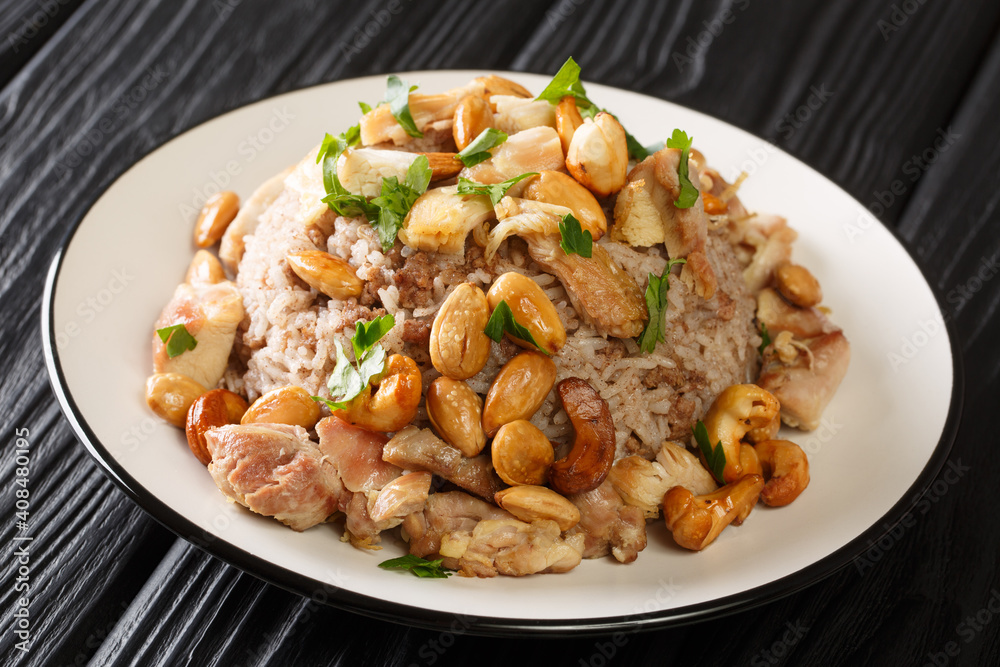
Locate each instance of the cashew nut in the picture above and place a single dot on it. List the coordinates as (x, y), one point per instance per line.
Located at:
(593, 453)
(737, 410)
(394, 404)
(696, 521)
(786, 469)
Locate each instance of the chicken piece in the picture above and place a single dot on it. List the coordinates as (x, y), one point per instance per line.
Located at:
(645, 215)
(357, 454)
(779, 315)
(642, 483)
(535, 150)
(274, 470)
(247, 219)
(608, 524)
(440, 220)
(513, 548)
(361, 170)
(451, 512)
(419, 449)
(515, 114)
(601, 291)
(775, 250)
(806, 386)
(211, 314)
(397, 499)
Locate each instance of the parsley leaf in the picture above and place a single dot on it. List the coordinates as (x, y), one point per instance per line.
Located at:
(766, 339)
(656, 302)
(495, 191)
(427, 569)
(338, 198)
(397, 95)
(689, 193)
(397, 198)
(715, 457)
(566, 82)
(575, 239)
(365, 107)
(347, 380)
(178, 339)
(478, 150)
(502, 320)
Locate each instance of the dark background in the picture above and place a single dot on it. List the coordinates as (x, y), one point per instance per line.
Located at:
(110, 585)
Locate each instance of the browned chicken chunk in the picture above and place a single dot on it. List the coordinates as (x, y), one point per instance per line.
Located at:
(608, 525)
(415, 448)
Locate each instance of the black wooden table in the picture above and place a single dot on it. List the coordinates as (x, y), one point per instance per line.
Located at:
(860, 89)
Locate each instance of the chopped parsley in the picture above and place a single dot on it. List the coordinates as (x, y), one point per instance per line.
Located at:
(502, 320)
(479, 150)
(656, 302)
(575, 239)
(427, 569)
(689, 193)
(765, 339)
(348, 380)
(178, 339)
(338, 198)
(397, 198)
(715, 457)
(567, 82)
(495, 191)
(397, 96)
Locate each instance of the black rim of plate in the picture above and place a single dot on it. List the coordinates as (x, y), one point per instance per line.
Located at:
(432, 619)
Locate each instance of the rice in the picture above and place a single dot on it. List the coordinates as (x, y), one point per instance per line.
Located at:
(288, 332)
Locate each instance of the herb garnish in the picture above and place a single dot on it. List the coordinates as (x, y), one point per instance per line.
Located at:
(502, 320)
(338, 198)
(397, 96)
(479, 150)
(495, 191)
(765, 339)
(427, 569)
(397, 198)
(347, 381)
(715, 457)
(656, 302)
(178, 339)
(575, 239)
(689, 193)
(567, 82)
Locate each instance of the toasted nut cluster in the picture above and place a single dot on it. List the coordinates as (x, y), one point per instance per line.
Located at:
(531, 309)
(456, 413)
(216, 214)
(214, 408)
(459, 348)
(568, 118)
(589, 462)
(598, 155)
(797, 285)
(284, 405)
(394, 404)
(518, 390)
(326, 274)
(696, 521)
(786, 469)
(204, 269)
(472, 117)
(522, 454)
(170, 395)
(555, 187)
(535, 503)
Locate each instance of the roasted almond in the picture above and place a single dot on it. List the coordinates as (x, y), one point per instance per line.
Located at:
(204, 269)
(459, 348)
(284, 405)
(216, 214)
(518, 390)
(214, 408)
(522, 454)
(531, 309)
(170, 395)
(443, 165)
(472, 117)
(456, 413)
(326, 274)
(535, 503)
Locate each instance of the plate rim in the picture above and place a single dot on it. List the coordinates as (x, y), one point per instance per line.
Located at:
(431, 619)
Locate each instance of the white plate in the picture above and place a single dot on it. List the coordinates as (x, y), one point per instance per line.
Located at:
(884, 436)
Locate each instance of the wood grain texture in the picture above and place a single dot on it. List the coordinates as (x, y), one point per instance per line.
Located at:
(104, 82)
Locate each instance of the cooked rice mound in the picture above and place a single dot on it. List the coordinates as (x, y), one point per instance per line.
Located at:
(288, 332)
